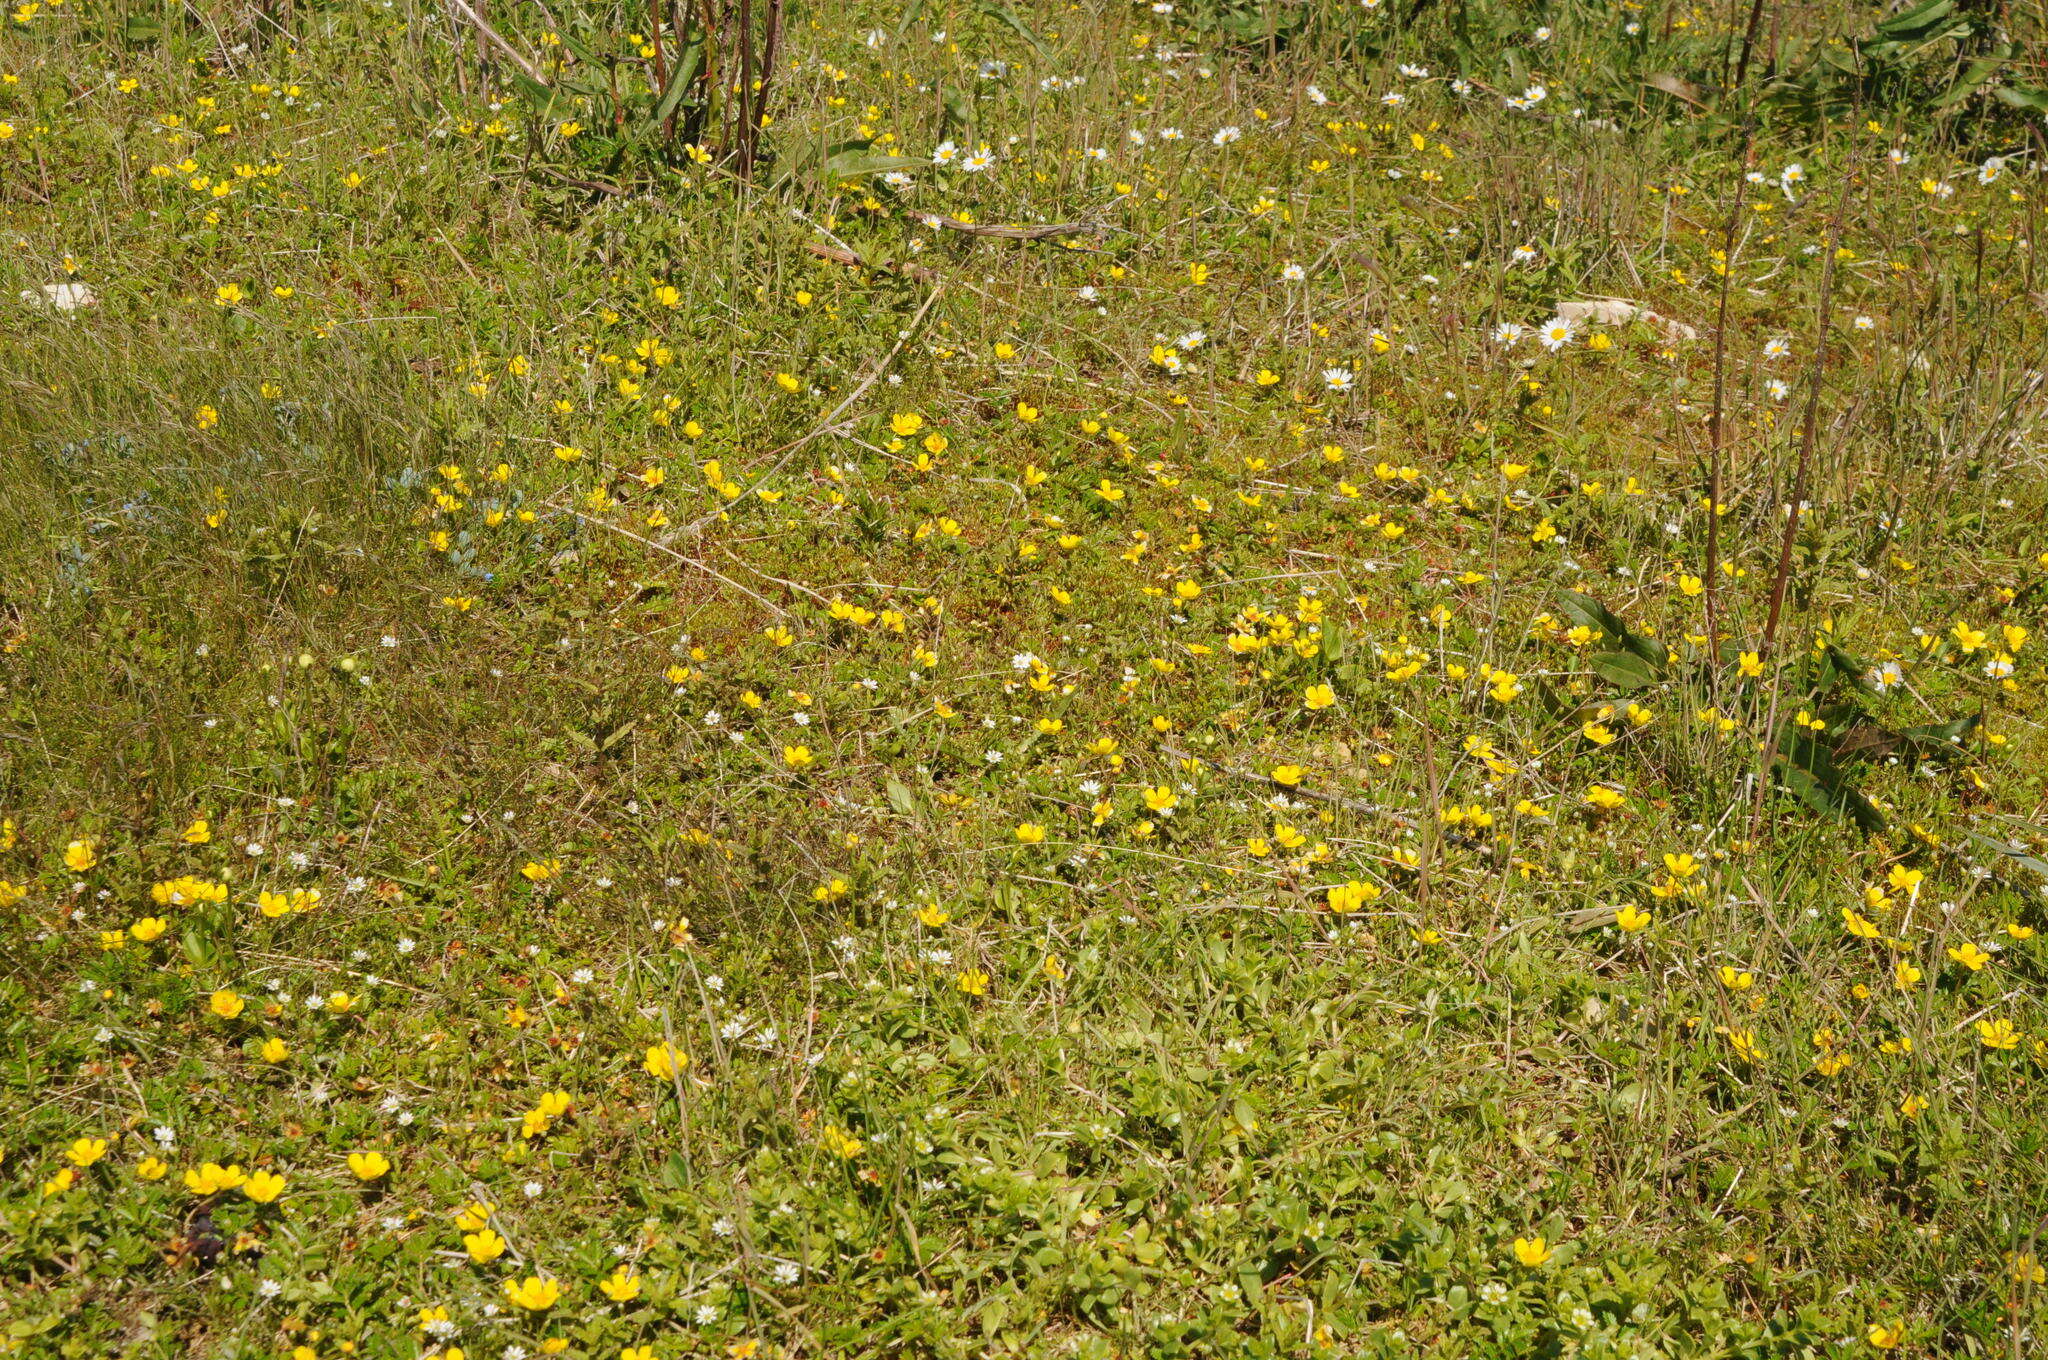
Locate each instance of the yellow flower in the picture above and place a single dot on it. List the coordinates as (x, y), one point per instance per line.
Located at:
(1750, 664)
(797, 757)
(1885, 1337)
(1631, 919)
(263, 1186)
(226, 1004)
(1289, 775)
(80, 856)
(1970, 956)
(1318, 697)
(152, 1169)
(274, 1050)
(211, 1178)
(664, 1061)
(533, 1293)
(1998, 1034)
(85, 1151)
(540, 870)
(1532, 1251)
(199, 833)
(972, 982)
(483, 1246)
(1161, 799)
(1352, 896)
(1913, 1106)
(1030, 833)
(148, 928)
(368, 1166)
(621, 1286)
(473, 1215)
(842, 1144)
(60, 1182)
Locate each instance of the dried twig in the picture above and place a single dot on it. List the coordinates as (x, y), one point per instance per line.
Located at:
(497, 40)
(1043, 232)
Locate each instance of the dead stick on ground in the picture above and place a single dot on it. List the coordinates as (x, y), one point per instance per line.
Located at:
(462, 7)
(1042, 232)
(684, 558)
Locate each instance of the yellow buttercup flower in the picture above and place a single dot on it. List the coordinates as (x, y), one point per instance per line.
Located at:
(263, 1186)
(533, 1293)
(368, 1166)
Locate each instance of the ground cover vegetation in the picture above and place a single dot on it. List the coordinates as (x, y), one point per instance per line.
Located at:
(937, 679)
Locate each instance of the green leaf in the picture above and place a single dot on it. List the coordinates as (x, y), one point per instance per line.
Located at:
(2022, 97)
(1623, 669)
(1920, 19)
(901, 798)
(1333, 643)
(1003, 14)
(1590, 613)
(198, 948)
(1948, 734)
(2025, 861)
(857, 164)
(1807, 767)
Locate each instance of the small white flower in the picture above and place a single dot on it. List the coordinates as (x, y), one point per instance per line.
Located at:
(1556, 333)
(1292, 272)
(1226, 135)
(1339, 379)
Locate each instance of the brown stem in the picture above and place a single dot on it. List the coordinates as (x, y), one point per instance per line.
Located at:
(1808, 435)
(1715, 436)
(660, 67)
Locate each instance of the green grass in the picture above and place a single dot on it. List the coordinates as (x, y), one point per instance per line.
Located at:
(389, 513)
